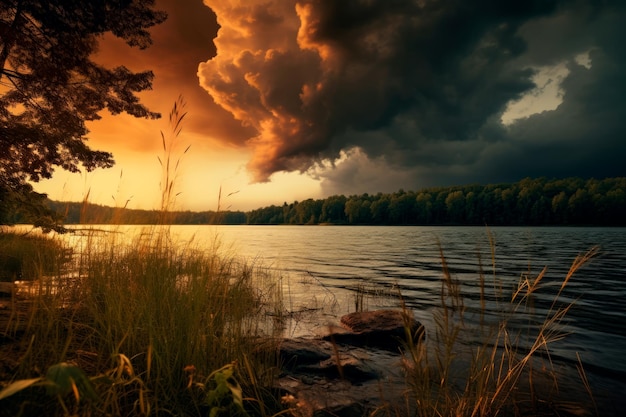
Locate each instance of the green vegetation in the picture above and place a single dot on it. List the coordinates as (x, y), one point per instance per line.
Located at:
(147, 327)
(89, 213)
(28, 256)
(536, 202)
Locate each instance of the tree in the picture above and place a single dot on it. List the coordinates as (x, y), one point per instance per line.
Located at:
(455, 206)
(380, 209)
(358, 210)
(308, 211)
(333, 209)
(401, 208)
(50, 87)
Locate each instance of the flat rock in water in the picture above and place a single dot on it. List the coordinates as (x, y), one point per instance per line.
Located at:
(383, 329)
(297, 352)
(344, 381)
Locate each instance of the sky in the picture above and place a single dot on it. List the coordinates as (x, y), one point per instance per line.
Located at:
(294, 99)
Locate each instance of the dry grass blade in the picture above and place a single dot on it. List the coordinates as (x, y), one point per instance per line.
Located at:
(169, 166)
(494, 353)
(583, 377)
(580, 260)
(529, 286)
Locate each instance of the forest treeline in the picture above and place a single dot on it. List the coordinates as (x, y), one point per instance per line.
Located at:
(88, 213)
(536, 202)
(571, 201)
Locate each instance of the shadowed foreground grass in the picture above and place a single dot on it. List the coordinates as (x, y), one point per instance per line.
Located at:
(139, 331)
(156, 328)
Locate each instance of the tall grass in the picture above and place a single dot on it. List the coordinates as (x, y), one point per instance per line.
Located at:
(490, 367)
(171, 159)
(26, 255)
(152, 321)
(154, 328)
(173, 308)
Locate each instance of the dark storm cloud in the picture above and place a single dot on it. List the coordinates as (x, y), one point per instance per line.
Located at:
(422, 83)
(586, 134)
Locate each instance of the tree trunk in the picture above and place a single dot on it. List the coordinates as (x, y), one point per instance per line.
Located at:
(8, 37)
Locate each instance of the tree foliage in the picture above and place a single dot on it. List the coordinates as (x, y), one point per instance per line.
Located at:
(50, 86)
(536, 202)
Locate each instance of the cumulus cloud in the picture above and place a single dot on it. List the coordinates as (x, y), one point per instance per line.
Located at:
(419, 86)
(179, 44)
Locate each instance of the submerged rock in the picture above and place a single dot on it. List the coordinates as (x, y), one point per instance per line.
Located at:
(355, 368)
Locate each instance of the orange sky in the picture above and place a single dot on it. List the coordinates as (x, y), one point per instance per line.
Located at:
(296, 99)
(217, 156)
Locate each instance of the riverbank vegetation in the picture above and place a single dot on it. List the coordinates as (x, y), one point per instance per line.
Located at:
(146, 328)
(530, 202)
(27, 256)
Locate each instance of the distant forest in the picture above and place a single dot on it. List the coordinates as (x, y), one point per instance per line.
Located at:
(536, 202)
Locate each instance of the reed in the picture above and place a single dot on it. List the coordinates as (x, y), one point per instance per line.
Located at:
(171, 159)
(149, 322)
(489, 368)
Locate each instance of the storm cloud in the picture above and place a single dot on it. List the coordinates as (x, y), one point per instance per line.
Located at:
(337, 88)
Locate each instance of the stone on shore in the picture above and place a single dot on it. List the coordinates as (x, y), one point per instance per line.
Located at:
(355, 368)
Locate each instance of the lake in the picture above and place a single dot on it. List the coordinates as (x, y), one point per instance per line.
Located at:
(336, 269)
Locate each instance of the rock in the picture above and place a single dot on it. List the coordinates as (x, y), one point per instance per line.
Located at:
(327, 400)
(296, 352)
(352, 371)
(314, 358)
(7, 289)
(347, 385)
(383, 329)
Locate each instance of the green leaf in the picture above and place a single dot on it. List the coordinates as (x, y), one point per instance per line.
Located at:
(65, 377)
(18, 386)
(226, 398)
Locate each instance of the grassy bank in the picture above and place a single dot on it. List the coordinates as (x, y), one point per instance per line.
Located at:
(157, 328)
(141, 330)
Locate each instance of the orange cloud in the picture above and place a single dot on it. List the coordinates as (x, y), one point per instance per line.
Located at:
(265, 79)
